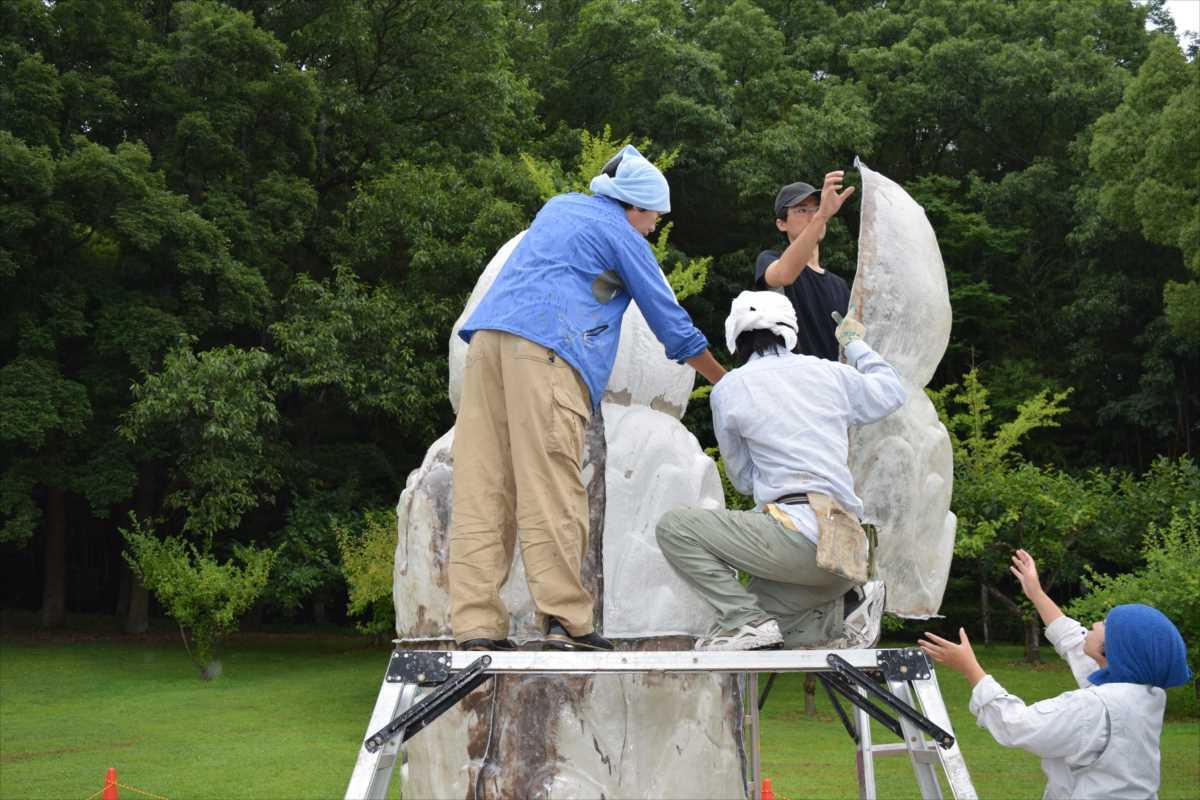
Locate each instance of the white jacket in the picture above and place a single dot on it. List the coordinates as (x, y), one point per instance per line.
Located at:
(1095, 742)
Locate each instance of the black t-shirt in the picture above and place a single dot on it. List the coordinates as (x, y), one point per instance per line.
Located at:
(814, 295)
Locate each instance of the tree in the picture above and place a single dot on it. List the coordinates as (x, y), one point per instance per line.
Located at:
(1143, 154)
(1168, 580)
(1004, 502)
(204, 596)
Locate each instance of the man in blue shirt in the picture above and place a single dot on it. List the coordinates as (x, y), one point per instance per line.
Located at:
(542, 344)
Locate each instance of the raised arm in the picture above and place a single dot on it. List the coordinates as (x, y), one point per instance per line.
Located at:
(1025, 569)
(793, 260)
(873, 386)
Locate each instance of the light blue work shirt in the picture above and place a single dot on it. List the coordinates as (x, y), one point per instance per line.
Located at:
(568, 283)
(782, 421)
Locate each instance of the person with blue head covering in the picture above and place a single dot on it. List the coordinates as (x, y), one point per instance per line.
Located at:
(1101, 740)
(542, 344)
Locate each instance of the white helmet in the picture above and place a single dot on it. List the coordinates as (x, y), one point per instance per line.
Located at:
(769, 311)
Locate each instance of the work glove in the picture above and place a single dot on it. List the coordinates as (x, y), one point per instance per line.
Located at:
(849, 329)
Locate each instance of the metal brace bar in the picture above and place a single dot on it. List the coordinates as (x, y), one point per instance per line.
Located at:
(849, 726)
(431, 706)
(845, 671)
(846, 689)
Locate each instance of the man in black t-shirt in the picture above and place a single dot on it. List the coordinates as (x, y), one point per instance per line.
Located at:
(801, 214)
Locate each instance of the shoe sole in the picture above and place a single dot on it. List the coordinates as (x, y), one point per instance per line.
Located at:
(552, 643)
(774, 646)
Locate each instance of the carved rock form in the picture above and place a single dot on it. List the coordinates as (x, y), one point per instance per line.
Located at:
(669, 736)
(674, 735)
(903, 465)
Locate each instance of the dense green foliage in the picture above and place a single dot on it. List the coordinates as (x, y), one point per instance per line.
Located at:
(1070, 521)
(234, 235)
(1169, 580)
(368, 552)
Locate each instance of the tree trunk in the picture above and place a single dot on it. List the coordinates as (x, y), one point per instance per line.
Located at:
(137, 619)
(54, 589)
(985, 612)
(123, 588)
(1033, 641)
(810, 695)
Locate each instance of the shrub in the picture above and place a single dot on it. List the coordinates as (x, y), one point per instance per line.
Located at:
(1169, 581)
(368, 549)
(202, 595)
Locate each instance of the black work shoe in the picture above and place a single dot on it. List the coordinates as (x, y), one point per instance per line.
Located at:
(487, 644)
(557, 638)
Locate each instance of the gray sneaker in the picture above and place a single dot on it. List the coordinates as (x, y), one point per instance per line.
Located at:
(865, 622)
(763, 636)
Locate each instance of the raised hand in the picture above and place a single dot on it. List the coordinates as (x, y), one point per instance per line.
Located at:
(1025, 569)
(832, 194)
(959, 656)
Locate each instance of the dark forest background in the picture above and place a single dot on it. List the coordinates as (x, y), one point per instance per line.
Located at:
(234, 237)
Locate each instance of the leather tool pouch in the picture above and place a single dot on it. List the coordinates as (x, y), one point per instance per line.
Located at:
(842, 547)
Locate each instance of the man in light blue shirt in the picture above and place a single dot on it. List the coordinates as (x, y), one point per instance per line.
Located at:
(781, 420)
(542, 344)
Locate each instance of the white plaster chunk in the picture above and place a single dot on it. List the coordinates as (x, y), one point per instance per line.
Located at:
(900, 286)
(654, 465)
(420, 590)
(643, 375)
(903, 465)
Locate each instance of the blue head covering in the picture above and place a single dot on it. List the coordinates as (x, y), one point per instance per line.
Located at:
(1142, 646)
(637, 182)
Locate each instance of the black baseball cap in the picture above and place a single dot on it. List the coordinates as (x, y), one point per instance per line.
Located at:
(792, 194)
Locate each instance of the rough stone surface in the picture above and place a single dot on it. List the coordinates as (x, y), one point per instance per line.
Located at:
(595, 736)
(903, 466)
(602, 736)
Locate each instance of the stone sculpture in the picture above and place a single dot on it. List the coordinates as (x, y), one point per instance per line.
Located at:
(902, 466)
(607, 735)
(671, 735)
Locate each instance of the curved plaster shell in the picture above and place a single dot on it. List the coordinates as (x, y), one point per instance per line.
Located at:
(902, 465)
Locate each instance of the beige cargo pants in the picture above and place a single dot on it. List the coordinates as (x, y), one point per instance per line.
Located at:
(518, 448)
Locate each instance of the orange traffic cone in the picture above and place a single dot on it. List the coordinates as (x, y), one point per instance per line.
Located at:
(767, 792)
(110, 785)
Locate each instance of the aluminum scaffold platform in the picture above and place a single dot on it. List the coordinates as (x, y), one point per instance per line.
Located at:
(882, 684)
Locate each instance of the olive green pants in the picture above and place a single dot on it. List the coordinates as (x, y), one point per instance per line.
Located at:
(706, 547)
(518, 448)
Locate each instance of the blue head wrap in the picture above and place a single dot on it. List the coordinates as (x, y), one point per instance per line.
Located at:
(1142, 646)
(637, 182)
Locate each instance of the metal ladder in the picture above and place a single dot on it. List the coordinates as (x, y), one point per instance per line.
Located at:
(903, 674)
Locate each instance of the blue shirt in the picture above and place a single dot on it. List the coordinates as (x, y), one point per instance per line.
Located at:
(569, 281)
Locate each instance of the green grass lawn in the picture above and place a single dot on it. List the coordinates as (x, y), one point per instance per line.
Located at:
(286, 717)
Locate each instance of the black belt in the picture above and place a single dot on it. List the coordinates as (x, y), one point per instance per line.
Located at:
(799, 497)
